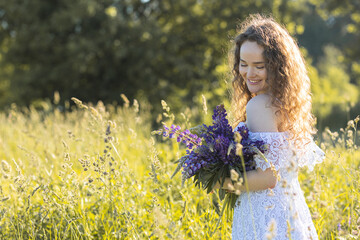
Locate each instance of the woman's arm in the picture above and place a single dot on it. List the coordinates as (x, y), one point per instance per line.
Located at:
(255, 180)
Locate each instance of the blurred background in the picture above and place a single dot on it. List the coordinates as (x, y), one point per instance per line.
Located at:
(167, 49)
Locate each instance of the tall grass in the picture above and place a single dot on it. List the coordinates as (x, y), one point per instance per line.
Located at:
(96, 172)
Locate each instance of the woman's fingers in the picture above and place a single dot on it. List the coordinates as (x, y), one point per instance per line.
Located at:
(228, 185)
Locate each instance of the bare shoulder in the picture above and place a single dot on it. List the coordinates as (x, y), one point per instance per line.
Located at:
(261, 115)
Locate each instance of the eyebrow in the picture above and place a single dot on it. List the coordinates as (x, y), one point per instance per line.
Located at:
(253, 62)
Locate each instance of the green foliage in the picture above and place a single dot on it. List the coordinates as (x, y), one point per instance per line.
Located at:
(331, 86)
(145, 49)
(95, 173)
(348, 13)
(77, 48)
(332, 194)
(334, 81)
(159, 49)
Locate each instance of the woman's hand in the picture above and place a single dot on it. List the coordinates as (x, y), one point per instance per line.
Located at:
(228, 185)
(255, 180)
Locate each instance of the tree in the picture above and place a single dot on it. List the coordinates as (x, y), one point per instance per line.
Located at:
(347, 13)
(155, 49)
(333, 92)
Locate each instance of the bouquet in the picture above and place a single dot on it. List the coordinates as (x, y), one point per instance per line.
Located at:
(214, 153)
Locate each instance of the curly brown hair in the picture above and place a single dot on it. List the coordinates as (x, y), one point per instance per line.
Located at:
(288, 81)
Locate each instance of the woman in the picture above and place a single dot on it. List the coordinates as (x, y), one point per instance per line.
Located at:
(272, 97)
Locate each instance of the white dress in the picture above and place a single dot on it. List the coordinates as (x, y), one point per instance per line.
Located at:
(282, 212)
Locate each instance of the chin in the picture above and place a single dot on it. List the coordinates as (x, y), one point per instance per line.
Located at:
(256, 88)
(256, 92)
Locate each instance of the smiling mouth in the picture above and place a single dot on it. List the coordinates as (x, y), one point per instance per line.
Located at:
(254, 81)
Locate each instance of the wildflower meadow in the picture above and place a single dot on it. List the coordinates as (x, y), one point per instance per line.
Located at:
(86, 171)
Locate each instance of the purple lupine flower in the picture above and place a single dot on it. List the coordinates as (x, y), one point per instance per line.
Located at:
(186, 137)
(244, 132)
(214, 145)
(166, 131)
(220, 126)
(222, 145)
(211, 152)
(173, 130)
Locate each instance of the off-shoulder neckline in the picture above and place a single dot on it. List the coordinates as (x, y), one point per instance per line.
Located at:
(267, 133)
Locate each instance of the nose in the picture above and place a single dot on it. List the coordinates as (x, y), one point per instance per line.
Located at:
(251, 72)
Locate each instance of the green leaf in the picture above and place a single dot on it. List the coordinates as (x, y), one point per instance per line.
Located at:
(179, 166)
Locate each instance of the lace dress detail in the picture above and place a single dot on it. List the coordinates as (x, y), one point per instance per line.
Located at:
(281, 212)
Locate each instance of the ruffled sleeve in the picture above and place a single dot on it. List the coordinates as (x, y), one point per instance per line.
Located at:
(278, 152)
(284, 154)
(310, 155)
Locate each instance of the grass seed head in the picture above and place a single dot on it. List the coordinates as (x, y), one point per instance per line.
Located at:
(271, 193)
(56, 97)
(79, 103)
(6, 168)
(238, 137)
(165, 106)
(239, 148)
(204, 104)
(234, 175)
(65, 145)
(356, 120)
(136, 106)
(349, 143)
(351, 124)
(271, 230)
(126, 100)
(112, 124)
(95, 113)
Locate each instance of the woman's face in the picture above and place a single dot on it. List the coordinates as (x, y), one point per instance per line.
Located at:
(252, 67)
